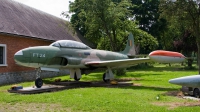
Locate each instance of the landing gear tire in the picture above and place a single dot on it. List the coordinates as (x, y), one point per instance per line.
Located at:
(75, 77)
(105, 80)
(196, 93)
(38, 82)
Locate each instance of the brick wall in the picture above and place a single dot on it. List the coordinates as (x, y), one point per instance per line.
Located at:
(14, 44)
(17, 77)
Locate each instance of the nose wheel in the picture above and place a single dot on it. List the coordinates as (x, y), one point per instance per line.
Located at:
(38, 82)
(196, 93)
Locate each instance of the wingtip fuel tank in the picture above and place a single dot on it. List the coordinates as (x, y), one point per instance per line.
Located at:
(166, 56)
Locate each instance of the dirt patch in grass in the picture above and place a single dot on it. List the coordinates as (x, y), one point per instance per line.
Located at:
(172, 105)
(32, 107)
(174, 93)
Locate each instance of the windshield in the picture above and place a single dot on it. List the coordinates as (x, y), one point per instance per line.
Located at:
(70, 44)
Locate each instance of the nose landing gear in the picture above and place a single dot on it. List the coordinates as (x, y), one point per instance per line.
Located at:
(38, 81)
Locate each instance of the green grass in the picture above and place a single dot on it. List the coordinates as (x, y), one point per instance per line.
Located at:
(153, 81)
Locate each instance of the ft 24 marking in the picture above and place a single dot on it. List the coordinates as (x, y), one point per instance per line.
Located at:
(39, 55)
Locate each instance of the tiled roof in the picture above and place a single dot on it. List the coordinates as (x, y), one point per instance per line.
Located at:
(19, 19)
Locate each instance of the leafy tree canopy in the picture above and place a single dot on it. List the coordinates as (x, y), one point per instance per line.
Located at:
(146, 12)
(184, 14)
(103, 21)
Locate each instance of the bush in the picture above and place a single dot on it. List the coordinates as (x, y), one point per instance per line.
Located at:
(120, 72)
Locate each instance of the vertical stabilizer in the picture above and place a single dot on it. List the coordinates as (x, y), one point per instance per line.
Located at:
(130, 47)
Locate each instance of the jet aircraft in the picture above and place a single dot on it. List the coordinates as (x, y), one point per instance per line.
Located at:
(81, 59)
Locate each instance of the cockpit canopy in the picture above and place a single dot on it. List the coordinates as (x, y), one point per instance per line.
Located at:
(69, 44)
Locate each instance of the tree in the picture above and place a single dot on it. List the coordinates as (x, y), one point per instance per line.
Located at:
(187, 45)
(186, 12)
(107, 20)
(169, 35)
(146, 12)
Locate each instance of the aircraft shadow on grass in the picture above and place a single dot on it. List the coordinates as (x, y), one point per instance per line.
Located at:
(123, 84)
(136, 75)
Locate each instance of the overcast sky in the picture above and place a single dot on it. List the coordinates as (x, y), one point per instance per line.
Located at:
(54, 7)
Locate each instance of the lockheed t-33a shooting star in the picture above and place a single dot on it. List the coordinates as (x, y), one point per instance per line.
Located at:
(79, 58)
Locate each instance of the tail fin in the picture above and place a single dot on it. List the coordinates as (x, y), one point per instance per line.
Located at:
(130, 47)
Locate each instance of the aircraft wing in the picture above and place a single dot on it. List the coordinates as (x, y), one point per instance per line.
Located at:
(118, 63)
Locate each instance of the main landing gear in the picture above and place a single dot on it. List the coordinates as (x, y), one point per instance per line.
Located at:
(38, 81)
(75, 74)
(76, 78)
(108, 75)
(104, 78)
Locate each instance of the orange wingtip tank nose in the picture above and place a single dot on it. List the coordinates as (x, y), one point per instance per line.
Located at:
(166, 53)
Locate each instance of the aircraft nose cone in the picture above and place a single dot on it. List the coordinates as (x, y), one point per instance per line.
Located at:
(191, 81)
(18, 56)
(177, 81)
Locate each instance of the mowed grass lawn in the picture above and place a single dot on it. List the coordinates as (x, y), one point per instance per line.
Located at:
(148, 84)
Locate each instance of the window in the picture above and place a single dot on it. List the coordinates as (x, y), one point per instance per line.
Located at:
(1, 55)
(3, 61)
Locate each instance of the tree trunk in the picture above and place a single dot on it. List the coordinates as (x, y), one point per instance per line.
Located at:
(190, 61)
(197, 34)
(196, 28)
(198, 54)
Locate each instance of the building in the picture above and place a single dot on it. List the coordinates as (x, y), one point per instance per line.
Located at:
(22, 26)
